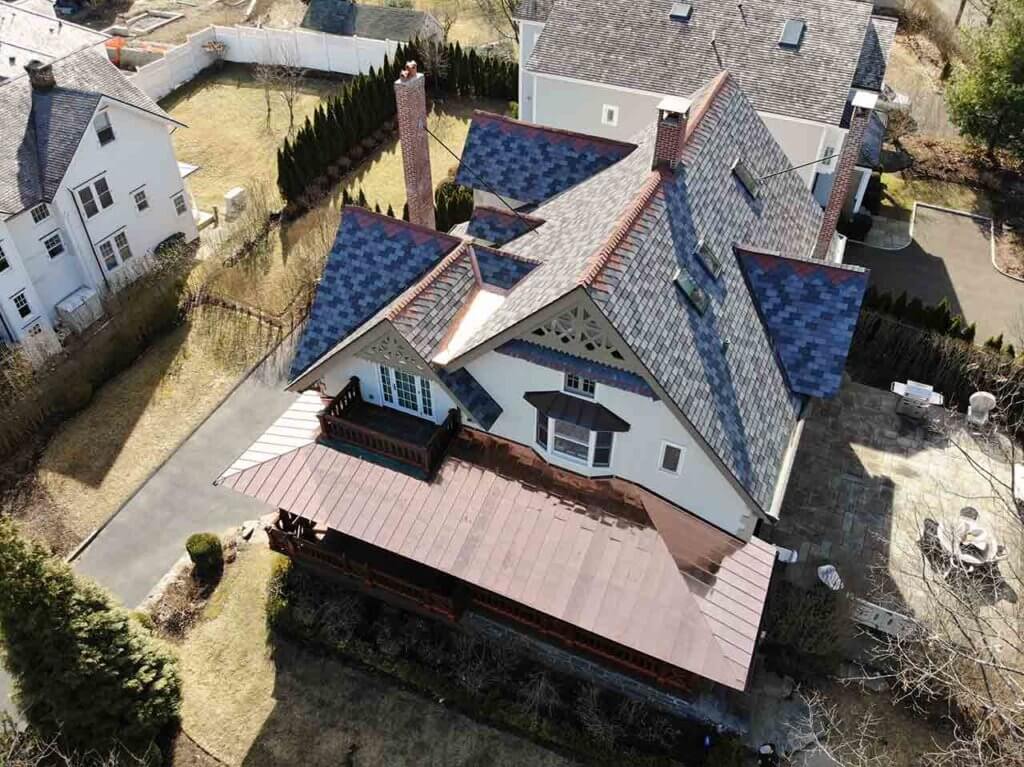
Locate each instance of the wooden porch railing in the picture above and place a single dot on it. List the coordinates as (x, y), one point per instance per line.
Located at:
(426, 457)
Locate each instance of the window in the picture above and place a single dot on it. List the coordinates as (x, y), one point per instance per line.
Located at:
(107, 253)
(583, 386)
(385, 385)
(426, 403)
(609, 115)
(104, 130)
(745, 177)
(405, 385)
(54, 244)
(571, 440)
(406, 391)
(95, 196)
(671, 458)
(21, 304)
(826, 156)
(3, 259)
(40, 213)
(542, 430)
(141, 203)
(123, 250)
(709, 258)
(575, 442)
(179, 204)
(603, 448)
(685, 282)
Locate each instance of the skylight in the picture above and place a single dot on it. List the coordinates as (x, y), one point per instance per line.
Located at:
(680, 11)
(685, 282)
(709, 258)
(792, 33)
(748, 179)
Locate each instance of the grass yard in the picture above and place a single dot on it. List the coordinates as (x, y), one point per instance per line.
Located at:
(98, 458)
(255, 700)
(228, 134)
(901, 193)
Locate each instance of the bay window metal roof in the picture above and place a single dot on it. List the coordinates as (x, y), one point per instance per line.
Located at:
(565, 407)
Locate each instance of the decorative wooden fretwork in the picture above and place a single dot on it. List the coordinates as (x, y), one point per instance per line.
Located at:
(577, 331)
(394, 352)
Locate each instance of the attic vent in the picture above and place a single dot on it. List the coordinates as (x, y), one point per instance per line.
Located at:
(680, 12)
(709, 258)
(792, 33)
(685, 282)
(745, 177)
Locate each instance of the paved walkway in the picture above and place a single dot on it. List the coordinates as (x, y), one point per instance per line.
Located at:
(146, 538)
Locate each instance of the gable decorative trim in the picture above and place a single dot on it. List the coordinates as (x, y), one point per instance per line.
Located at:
(582, 332)
(394, 351)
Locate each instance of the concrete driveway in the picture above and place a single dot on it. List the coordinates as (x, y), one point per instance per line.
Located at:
(147, 536)
(950, 257)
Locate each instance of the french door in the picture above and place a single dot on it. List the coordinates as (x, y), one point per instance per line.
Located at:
(404, 391)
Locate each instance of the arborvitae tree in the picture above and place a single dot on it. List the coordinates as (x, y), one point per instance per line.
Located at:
(970, 333)
(884, 303)
(441, 212)
(899, 306)
(391, 211)
(361, 200)
(995, 343)
(916, 314)
(1010, 351)
(956, 327)
(346, 198)
(86, 672)
(376, 208)
(405, 211)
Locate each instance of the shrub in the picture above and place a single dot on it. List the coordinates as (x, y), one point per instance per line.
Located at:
(207, 554)
(85, 672)
(995, 343)
(807, 626)
(873, 194)
(727, 752)
(856, 228)
(74, 396)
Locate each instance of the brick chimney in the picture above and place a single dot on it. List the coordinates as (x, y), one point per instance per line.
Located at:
(40, 75)
(411, 98)
(841, 180)
(673, 114)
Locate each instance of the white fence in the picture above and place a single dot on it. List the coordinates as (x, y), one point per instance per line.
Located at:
(260, 45)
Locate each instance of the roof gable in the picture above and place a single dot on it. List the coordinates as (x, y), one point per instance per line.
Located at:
(499, 226)
(810, 310)
(373, 261)
(529, 163)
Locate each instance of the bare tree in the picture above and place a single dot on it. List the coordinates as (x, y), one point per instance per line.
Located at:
(290, 81)
(266, 76)
(847, 743)
(500, 14)
(899, 123)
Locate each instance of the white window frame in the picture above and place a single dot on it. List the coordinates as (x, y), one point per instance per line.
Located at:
(103, 115)
(580, 387)
(184, 203)
(4, 263)
(42, 219)
(610, 115)
(389, 392)
(665, 445)
(63, 247)
(547, 447)
(28, 307)
(116, 250)
(95, 196)
(141, 206)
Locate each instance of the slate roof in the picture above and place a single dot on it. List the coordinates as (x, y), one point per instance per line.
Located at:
(40, 131)
(874, 53)
(595, 371)
(472, 396)
(810, 310)
(534, 10)
(871, 145)
(28, 32)
(340, 17)
(501, 270)
(634, 44)
(499, 226)
(373, 261)
(529, 163)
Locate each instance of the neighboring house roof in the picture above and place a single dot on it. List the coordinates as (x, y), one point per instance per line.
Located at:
(874, 54)
(44, 7)
(672, 587)
(634, 44)
(534, 10)
(810, 310)
(40, 130)
(499, 226)
(340, 17)
(29, 32)
(530, 163)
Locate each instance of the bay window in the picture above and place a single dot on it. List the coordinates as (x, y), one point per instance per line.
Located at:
(577, 443)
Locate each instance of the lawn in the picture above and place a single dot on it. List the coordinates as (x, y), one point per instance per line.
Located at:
(228, 134)
(901, 192)
(253, 699)
(98, 458)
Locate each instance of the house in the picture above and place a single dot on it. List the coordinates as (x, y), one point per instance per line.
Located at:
(813, 69)
(89, 187)
(379, 22)
(29, 31)
(571, 423)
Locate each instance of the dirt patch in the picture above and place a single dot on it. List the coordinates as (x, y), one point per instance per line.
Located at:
(248, 702)
(1010, 252)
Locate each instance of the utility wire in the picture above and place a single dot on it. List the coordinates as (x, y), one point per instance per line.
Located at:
(797, 167)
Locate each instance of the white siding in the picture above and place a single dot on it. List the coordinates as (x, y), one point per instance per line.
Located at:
(528, 34)
(700, 487)
(13, 280)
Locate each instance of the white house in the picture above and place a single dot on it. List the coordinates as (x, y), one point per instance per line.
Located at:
(601, 66)
(89, 187)
(30, 31)
(574, 420)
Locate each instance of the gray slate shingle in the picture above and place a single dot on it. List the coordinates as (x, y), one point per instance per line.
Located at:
(634, 44)
(341, 17)
(874, 54)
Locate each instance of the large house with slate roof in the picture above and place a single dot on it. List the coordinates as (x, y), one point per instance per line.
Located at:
(571, 423)
(811, 68)
(89, 187)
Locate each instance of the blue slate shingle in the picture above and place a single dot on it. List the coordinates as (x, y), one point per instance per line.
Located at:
(499, 226)
(569, 363)
(529, 163)
(810, 310)
(501, 269)
(373, 260)
(472, 396)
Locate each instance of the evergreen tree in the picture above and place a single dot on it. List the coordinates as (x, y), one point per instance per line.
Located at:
(376, 209)
(84, 669)
(970, 333)
(899, 306)
(361, 200)
(405, 211)
(884, 303)
(346, 198)
(391, 211)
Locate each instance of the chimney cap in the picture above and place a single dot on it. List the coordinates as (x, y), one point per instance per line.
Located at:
(409, 72)
(40, 74)
(675, 105)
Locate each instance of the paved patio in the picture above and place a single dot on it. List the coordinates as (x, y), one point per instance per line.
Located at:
(865, 479)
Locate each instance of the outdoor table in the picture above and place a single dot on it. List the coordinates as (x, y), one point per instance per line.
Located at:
(968, 543)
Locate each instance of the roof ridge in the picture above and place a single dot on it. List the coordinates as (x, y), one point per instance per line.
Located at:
(510, 214)
(701, 108)
(484, 114)
(359, 210)
(506, 254)
(418, 289)
(598, 260)
(756, 251)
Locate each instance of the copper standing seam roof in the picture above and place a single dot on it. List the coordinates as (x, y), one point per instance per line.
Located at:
(613, 578)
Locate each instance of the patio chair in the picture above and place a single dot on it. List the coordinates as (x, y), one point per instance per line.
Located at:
(969, 512)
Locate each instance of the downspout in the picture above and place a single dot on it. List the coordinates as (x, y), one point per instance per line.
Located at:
(88, 239)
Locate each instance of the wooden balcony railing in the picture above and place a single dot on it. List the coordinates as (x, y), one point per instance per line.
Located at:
(341, 420)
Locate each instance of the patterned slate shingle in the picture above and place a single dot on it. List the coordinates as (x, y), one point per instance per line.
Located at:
(426, 319)
(528, 163)
(373, 261)
(472, 396)
(501, 270)
(569, 363)
(499, 226)
(634, 44)
(810, 310)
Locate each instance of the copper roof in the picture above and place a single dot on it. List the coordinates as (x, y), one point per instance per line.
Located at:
(677, 589)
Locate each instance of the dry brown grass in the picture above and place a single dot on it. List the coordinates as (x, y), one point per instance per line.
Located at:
(248, 703)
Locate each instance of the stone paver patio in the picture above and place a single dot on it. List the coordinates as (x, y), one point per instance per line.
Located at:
(865, 479)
